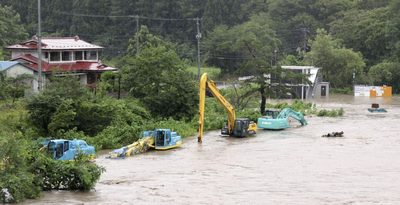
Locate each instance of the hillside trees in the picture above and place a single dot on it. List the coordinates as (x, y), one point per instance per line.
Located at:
(386, 73)
(366, 32)
(11, 30)
(157, 78)
(337, 62)
(253, 45)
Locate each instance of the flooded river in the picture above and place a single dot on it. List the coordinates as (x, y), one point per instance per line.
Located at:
(294, 166)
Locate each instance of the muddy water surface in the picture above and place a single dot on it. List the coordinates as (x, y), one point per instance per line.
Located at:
(294, 166)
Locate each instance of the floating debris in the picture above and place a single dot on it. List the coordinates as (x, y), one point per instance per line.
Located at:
(334, 134)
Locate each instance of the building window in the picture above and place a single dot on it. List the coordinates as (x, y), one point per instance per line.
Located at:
(46, 55)
(90, 55)
(54, 56)
(78, 55)
(66, 56)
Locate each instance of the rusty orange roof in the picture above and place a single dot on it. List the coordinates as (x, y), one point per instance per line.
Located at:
(81, 66)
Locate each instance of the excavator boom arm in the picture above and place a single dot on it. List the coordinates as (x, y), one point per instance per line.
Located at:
(207, 83)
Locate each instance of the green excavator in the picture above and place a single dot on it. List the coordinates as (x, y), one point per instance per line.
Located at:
(279, 119)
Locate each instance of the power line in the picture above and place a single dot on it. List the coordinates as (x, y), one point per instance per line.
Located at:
(127, 16)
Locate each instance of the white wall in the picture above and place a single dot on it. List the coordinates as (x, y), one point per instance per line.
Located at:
(15, 54)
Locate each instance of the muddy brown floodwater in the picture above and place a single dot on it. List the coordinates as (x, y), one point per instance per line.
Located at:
(294, 166)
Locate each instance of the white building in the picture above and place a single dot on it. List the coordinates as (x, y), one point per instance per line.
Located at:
(62, 55)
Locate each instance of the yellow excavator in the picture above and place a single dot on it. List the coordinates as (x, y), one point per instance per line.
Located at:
(237, 127)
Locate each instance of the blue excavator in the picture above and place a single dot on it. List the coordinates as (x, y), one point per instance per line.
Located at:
(279, 119)
(158, 139)
(61, 149)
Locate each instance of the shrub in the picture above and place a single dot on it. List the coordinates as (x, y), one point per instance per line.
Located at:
(298, 105)
(331, 113)
(65, 175)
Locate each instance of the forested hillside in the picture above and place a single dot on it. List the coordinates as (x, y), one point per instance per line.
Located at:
(368, 30)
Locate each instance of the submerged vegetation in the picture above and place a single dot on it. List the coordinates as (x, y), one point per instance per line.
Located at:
(331, 113)
(308, 108)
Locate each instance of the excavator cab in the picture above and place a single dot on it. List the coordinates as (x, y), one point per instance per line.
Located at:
(242, 128)
(160, 137)
(271, 113)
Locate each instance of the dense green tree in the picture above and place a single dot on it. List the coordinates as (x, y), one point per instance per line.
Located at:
(223, 12)
(338, 64)
(365, 31)
(44, 106)
(255, 44)
(394, 29)
(12, 31)
(386, 73)
(16, 181)
(157, 77)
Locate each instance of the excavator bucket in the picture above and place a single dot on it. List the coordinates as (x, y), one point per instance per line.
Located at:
(140, 146)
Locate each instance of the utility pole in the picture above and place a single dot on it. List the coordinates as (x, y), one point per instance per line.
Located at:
(137, 34)
(39, 39)
(305, 30)
(198, 36)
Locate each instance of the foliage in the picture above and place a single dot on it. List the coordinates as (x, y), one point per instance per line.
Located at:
(66, 105)
(252, 114)
(338, 63)
(24, 171)
(16, 181)
(115, 136)
(386, 73)
(110, 82)
(241, 95)
(330, 113)
(214, 115)
(365, 31)
(369, 27)
(184, 129)
(12, 30)
(13, 87)
(157, 77)
(255, 42)
(145, 40)
(212, 72)
(346, 90)
(62, 93)
(306, 108)
(68, 175)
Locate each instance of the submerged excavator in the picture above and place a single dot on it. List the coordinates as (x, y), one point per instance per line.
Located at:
(158, 139)
(279, 119)
(237, 127)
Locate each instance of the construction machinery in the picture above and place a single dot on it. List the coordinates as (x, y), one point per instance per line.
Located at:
(237, 127)
(375, 108)
(159, 139)
(279, 119)
(61, 149)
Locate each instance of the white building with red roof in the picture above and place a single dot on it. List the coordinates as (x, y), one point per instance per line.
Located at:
(61, 56)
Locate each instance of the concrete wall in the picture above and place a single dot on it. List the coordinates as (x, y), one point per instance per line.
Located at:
(319, 90)
(17, 70)
(83, 79)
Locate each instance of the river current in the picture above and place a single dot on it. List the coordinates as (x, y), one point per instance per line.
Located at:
(293, 166)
